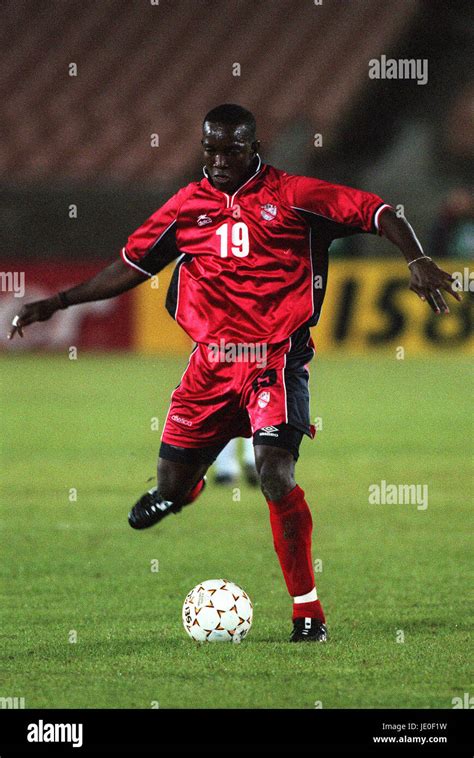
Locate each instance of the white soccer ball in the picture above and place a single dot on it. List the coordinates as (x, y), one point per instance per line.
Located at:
(217, 611)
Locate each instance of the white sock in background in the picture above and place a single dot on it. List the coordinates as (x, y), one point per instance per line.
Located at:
(248, 454)
(227, 463)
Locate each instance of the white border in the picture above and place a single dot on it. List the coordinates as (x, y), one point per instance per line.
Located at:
(134, 265)
(149, 249)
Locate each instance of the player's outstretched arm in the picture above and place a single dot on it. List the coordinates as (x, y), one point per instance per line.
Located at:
(111, 281)
(426, 279)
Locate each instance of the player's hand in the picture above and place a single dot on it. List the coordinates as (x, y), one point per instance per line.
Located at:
(427, 280)
(40, 310)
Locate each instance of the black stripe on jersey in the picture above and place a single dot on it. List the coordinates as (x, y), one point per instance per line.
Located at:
(323, 231)
(160, 253)
(171, 303)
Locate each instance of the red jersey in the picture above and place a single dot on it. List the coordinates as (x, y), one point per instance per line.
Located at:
(253, 265)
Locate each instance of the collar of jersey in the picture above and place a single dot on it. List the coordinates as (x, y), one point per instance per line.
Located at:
(230, 198)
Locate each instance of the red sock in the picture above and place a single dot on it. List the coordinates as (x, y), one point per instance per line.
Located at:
(292, 525)
(312, 610)
(195, 492)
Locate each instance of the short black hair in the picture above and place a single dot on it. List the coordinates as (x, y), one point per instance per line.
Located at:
(234, 115)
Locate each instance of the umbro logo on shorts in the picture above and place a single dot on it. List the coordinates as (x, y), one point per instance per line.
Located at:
(268, 431)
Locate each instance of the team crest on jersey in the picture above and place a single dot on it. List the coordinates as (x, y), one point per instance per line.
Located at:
(202, 220)
(269, 211)
(263, 399)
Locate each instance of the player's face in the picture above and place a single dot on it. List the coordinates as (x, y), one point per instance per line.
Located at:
(229, 155)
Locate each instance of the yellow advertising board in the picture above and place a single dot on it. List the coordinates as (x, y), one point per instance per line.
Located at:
(368, 307)
(153, 328)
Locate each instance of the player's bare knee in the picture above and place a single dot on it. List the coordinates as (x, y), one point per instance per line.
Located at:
(276, 470)
(276, 485)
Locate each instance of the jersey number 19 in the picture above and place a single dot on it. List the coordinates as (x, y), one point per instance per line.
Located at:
(239, 239)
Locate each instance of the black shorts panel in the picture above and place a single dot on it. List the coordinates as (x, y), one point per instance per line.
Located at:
(283, 435)
(192, 455)
(297, 380)
(297, 399)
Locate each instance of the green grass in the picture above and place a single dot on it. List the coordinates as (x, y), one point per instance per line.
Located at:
(78, 566)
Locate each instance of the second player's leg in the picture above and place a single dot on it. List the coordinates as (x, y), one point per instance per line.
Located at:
(227, 467)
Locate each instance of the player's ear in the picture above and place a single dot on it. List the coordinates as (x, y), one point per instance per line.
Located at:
(256, 146)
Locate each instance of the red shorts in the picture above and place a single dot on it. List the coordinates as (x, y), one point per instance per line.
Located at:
(217, 400)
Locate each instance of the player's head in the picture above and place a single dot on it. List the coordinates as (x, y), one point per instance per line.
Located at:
(230, 145)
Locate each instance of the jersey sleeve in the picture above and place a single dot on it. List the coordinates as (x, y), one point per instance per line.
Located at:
(352, 209)
(153, 245)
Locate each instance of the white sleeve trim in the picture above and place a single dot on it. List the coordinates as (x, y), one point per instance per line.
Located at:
(134, 265)
(377, 214)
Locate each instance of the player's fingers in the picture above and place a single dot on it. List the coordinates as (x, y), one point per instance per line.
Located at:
(418, 291)
(430, 299)
(26, 317)
(16, 327)
(15, 330)
(441, 301)
(457, 295)
(437, 301)
(452, 291)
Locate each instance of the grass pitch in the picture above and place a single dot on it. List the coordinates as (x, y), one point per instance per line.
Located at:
(86, 621)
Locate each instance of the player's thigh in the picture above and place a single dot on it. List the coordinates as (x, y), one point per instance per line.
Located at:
(176, 479)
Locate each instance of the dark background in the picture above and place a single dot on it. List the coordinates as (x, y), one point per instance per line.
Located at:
(147, 69)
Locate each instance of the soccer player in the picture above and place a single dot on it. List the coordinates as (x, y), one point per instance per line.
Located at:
(253, 244)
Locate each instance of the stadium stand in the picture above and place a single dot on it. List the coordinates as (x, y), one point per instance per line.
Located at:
(96, 126)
